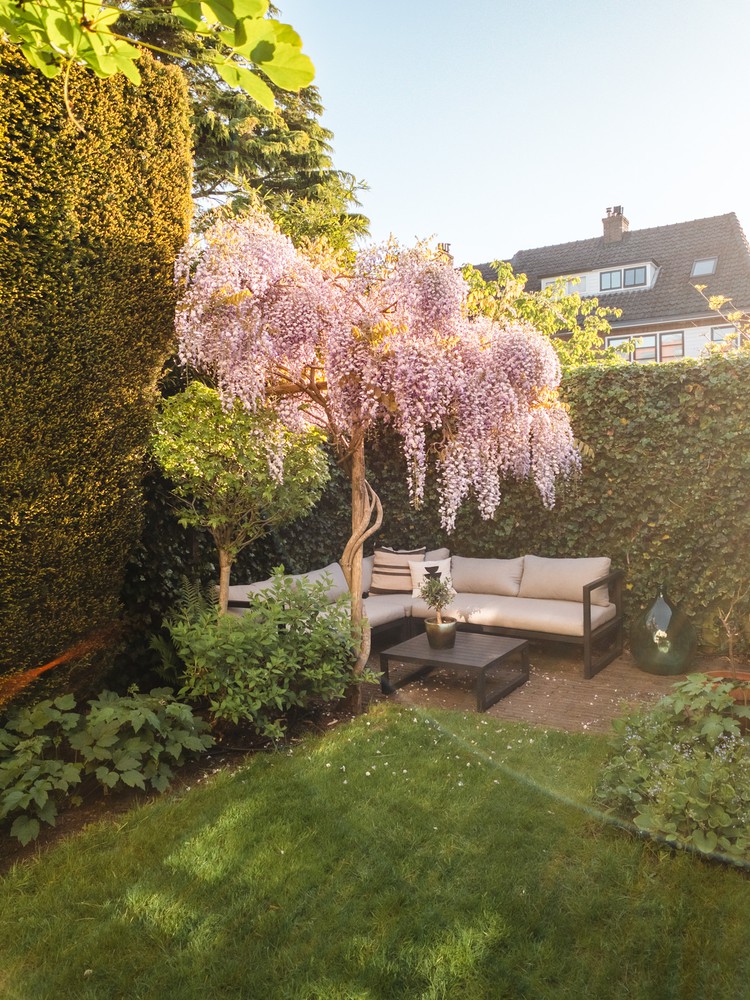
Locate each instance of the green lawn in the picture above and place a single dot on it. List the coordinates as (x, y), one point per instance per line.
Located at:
(407, 855)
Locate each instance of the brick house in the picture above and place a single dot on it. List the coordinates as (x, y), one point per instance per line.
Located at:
(649, 274)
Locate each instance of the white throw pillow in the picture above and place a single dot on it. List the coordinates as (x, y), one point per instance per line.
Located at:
(421, 570)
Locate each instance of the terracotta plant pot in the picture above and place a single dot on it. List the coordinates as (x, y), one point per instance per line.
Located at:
(740, 694)
(442, 636)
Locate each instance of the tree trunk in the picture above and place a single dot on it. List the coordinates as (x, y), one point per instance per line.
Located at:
(225, 567)
(365, 506)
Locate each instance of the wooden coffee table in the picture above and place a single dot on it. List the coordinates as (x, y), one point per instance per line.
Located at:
(478, 654)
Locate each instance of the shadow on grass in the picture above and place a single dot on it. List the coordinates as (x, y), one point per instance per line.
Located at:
(396, 857)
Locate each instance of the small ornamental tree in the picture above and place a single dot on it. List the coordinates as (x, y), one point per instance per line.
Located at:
(217, 460)
(391, 340)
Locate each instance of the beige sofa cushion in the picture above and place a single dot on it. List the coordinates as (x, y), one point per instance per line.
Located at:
(486, 576)
(367, 563)
(563, 579)
(390, 570)
(436, 555)
(527, 614)
(337, 588)
(383, 608)
(242, 591)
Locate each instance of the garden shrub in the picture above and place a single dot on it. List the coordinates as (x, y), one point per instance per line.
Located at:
(47, 749)
(90, 224)
(287, 650)
(681, 770)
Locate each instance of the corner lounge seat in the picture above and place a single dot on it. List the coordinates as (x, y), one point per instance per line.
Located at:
(566, 600)
(526, 613)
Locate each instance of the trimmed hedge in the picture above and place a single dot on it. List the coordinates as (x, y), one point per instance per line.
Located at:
(90, 224)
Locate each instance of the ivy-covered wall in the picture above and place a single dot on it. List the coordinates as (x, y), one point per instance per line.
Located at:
(92, 214)
(665, 490)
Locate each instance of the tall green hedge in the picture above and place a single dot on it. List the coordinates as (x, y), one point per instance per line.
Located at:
(665, 491)
(92, 214)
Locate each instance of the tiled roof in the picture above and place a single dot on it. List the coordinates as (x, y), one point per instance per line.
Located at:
(672, 248)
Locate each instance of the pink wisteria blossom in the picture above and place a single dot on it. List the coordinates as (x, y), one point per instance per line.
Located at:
(389, 341)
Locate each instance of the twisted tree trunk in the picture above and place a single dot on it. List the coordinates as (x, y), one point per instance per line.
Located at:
(367, 516)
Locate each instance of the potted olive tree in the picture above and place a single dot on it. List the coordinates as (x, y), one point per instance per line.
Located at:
(437, 594)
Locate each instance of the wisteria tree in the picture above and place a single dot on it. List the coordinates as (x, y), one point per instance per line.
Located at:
(388, 340)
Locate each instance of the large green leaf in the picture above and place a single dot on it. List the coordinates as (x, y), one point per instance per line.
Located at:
(249, 8)
(25, 829)
(289, 68)
(188, 13)
(244, 79)
(249, 32)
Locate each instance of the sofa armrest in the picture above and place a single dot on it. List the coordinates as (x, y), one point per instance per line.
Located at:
(613, 581)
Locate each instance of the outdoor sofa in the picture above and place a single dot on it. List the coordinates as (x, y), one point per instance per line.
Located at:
(575, 601)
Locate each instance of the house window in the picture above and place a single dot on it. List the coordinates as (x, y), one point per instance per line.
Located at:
(609, 280)
(705, 266)
(645, 348)
(617, 343)
(720, 335)
(671, 345)
(634, 276)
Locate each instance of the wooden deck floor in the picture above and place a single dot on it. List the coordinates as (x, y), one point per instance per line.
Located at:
(555, 696)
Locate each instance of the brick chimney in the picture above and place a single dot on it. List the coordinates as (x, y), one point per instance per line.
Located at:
(444, 249)
(615, 224)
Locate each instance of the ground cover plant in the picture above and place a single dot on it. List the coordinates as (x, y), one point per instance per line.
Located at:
(133, 740)
(681, 770)
(406, 855)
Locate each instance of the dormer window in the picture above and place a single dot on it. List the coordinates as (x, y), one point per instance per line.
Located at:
(634, 276)
(628, 277)
(614, 279)
(707, 265)
(609, 280)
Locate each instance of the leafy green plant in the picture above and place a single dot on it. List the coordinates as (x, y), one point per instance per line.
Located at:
(47, 749)
(681, 770)
(437, 594)
(34, 777)
(139, 738)
(290, 647)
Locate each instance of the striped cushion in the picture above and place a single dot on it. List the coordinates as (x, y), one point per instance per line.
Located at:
(390, 570)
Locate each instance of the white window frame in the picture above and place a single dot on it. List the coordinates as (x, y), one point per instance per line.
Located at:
(698, 271)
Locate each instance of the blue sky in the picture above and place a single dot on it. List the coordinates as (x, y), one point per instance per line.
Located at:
(499, 125)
